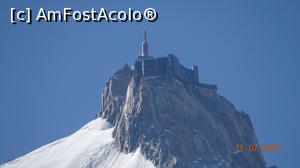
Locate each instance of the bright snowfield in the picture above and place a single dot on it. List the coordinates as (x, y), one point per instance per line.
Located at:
(90, 147)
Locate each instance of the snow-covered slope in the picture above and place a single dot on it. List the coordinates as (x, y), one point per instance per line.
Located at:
(90, 147)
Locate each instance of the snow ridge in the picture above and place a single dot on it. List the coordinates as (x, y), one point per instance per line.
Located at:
(90, 147)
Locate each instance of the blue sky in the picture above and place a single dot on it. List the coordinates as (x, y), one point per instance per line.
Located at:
(52, 74)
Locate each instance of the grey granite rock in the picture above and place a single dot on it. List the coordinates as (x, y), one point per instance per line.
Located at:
(177, 125)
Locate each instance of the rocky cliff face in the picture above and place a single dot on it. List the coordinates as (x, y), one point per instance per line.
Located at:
(177, 125)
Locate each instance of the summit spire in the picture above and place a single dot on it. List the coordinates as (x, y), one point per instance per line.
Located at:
(145, 35)
(145, 44)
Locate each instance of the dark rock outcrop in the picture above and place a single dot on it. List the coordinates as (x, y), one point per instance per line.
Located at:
(177, 125)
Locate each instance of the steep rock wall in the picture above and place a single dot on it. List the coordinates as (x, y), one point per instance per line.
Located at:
(177, 125)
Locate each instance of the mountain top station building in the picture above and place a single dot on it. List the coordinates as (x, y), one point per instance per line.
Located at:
(147, 67)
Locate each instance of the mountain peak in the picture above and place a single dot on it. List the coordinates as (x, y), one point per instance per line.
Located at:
(155, 114)
(176, 121)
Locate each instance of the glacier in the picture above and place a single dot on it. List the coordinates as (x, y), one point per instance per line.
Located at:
(91, 146)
